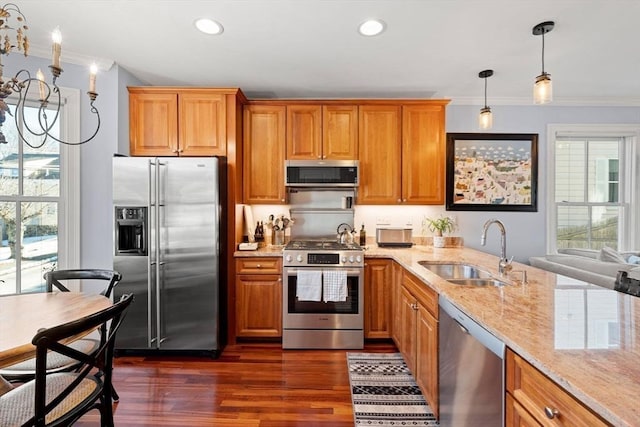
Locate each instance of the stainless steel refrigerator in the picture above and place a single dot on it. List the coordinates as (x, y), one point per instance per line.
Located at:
(168, 247)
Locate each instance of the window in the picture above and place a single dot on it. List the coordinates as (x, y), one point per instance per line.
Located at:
(593, 187)
(36, 190)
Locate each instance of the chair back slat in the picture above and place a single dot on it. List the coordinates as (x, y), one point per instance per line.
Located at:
(53, 278)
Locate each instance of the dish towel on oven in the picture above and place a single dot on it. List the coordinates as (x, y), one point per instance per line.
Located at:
(309, 285)
(334, 285)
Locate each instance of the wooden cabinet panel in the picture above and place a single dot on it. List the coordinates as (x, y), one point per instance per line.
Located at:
(418, 336)
(340, 132)
(423, 154)
(427, 357)
(408, 321)
(396, 299)
(377, 295)
(327, 132)
(202, 130)
(264, 153)
(541, 397)
(258, 303)
(153, 124)
(380, 161)
(304, 132)
(255, 265)
(258, 310)
(517, 416)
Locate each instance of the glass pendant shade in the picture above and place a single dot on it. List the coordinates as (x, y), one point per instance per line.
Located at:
(485, 119)
(542, 89)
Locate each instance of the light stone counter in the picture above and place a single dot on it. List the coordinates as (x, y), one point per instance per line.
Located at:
(586, 338)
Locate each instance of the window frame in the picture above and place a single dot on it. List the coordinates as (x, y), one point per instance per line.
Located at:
(630, 163)
(69, 198)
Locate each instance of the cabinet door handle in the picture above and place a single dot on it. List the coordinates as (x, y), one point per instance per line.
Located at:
(399, 200)
(414, 306)
(404, 200)
(259, 266)
(175, 151)
(551, 413)
(180, 150)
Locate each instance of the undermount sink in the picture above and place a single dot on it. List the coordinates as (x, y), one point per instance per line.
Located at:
(455, 270)
(477, 282)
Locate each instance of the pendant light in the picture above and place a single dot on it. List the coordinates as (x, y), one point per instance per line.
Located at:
(485, 119)
(542, 89)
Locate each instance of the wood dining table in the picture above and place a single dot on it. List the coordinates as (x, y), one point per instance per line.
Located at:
(23, 315)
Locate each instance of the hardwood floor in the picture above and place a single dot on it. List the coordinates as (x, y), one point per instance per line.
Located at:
(248, 385)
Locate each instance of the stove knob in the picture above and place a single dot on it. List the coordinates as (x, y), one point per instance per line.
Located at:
(351, 259)
(358, 259)
(344, 259)
(288, 258)
(299, 258)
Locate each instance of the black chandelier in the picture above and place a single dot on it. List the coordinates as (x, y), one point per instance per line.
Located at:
(13, 37)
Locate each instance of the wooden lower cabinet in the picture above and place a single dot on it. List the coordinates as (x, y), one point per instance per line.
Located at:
(377, 295)
(258, 297)
(418, 340)
(533, 399)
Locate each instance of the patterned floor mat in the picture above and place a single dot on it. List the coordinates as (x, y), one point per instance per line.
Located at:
(384, 392)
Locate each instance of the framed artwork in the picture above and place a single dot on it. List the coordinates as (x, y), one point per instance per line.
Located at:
(492, 172)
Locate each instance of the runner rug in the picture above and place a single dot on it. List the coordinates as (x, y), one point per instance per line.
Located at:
(384, 392)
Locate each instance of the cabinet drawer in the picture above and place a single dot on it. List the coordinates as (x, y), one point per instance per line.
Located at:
(423, 293)
(253, 265)
(550, 404)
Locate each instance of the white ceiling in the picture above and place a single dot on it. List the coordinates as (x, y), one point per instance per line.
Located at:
(311, 48)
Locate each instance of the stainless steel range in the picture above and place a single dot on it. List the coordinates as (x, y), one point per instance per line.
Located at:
(323, 290)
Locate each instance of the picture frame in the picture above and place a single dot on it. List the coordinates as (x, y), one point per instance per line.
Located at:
(492, 172)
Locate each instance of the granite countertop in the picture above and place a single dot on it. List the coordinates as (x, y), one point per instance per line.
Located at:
(584, 337)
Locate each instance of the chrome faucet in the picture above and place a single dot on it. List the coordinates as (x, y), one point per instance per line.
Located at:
(504, 266)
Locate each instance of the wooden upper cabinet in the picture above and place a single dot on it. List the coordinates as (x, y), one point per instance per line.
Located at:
(423, 154)
(340, 132)
(202, 127)
(317, 132)
(153, 123)
(304, 132)
(379, 154)
(174, 122)
(264, 149)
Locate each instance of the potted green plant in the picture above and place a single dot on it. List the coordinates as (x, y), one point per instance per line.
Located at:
(440, 226)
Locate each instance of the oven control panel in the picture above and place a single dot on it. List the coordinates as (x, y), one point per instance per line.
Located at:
(322, 258)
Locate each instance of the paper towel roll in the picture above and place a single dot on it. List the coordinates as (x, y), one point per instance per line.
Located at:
(248, 223)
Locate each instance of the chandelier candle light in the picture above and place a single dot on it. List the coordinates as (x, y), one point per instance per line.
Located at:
(542, 89)
(13, 21)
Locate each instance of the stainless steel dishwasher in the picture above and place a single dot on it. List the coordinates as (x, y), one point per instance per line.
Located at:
(471, 369)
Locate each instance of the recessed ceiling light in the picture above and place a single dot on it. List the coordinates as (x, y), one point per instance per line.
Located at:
(209, 26)
(372, 27)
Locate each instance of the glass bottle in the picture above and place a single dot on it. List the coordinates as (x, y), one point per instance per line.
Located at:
(363, 236)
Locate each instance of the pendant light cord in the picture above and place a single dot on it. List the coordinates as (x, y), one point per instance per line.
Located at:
(543, 51)
(485, 92)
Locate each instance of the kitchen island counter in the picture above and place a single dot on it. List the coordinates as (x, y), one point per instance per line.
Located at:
(584, 337)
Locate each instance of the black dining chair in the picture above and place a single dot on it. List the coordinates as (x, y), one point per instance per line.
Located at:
(58, 280)
(60, 399)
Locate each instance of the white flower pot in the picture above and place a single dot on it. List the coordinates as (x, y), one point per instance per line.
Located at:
(439, 241)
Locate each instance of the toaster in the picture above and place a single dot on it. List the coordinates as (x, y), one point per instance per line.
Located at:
(395, 237)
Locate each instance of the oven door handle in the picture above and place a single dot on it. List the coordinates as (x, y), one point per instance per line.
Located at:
(351, 272)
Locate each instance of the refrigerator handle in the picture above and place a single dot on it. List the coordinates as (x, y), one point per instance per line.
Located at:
(159, 263)
(152, 257)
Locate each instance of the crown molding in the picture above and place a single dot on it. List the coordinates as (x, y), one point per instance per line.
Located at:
(557, 102)
(104, 64)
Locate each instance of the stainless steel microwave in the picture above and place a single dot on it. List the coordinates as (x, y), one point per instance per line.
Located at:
(321, 173)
